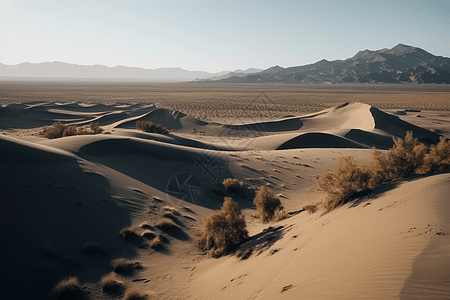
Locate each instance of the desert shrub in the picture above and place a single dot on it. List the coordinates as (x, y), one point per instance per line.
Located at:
(124, 265)
(95, 128)
(149, 126)
(223, 229)
(266, 204)
(347, 179)
(279, 215)
(132, 294)
(127, 232)
(439, 158)
(310, 208)
(149, 234)
(109, 284)
(232, 184)
(59, 130)
(155, 243)
(404, 159)
(67, 289)
(166, 224)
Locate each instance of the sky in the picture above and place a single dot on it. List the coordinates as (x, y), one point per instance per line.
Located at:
(214, 36)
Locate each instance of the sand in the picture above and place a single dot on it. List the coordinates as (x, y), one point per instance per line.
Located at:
(61, 195)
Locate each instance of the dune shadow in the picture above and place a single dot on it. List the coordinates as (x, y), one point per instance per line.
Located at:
(259, 243)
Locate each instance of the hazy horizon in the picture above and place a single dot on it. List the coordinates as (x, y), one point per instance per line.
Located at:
(214, 37)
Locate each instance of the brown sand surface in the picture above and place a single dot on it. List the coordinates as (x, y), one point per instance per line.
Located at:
(64, 201)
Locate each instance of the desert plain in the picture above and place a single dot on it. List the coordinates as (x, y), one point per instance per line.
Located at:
(72, 205)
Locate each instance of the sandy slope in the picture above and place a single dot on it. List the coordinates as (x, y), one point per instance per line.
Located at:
(60, 195)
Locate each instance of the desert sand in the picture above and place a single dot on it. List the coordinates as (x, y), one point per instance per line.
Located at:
(64, 202)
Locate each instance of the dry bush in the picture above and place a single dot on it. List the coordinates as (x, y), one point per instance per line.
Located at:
(109, 284)
(155, 243)
(67, 289)
(311, 208)
(127, 232)
(166, 224)
(149, 234)
(279, 215)
(95, 128)
(404, 159)
(223, 229)
(439, 158)
(232, 184)
(132, 294)
(59, 130)
(169, 212)
(124, 265)
(149, 126)
(266, 204)
(347, 179)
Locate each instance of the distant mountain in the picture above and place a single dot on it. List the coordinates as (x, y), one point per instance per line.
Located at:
(224, 75)
(401, 64)
(63, 71)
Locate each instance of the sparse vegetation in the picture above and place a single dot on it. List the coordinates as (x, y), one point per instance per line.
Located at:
(310, 208)
(266, 204)
(149, 126)
(109, 284)
(59, 130)
(132, 294)
(124, 265)
(406, 158)
(127, 232)
(439, 158)
(155, 243)
(223, 229)
(67, 289)
(166, 224)
(149, 234)
(232, 184)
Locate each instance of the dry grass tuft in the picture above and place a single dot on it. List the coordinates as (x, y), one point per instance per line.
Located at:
(279, 215)
(109, 284)
(149, 234)
(439, 158)
(266, 204)
(155, 243)
(67, 289)
(59, 130)
(127, 232)
(223, 229)
(166, 224)
(311, 208)
(132, 294)
(124, 265)
(149, 126)
(232, 184)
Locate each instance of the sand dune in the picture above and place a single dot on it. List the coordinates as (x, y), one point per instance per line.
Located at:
(61, 195)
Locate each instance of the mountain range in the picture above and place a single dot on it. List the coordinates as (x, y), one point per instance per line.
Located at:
(401, 64)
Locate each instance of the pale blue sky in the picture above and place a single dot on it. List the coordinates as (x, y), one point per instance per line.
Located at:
(215, 35)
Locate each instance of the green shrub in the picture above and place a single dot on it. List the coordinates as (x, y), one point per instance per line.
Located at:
(223, 229)
(266, 204)
(439, 158)
(149, 126)
(67, 289)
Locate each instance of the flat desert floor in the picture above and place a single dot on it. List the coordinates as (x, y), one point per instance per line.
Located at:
(72, 205)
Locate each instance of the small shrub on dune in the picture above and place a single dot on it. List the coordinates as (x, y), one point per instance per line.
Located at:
(232, 184)
(124, 265)
(439, 158)
(279, 215)
(223, 229)
(155, 243)
(404, 159)
(132, 294)
(310, 208)
(166, 224)
(266, 204)
(347, 179)
(149, 126)
(109, 284)
(127, 232)
(95, 128)
(55, 131)
(169, 212)
(149, 234)
(67, 289)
